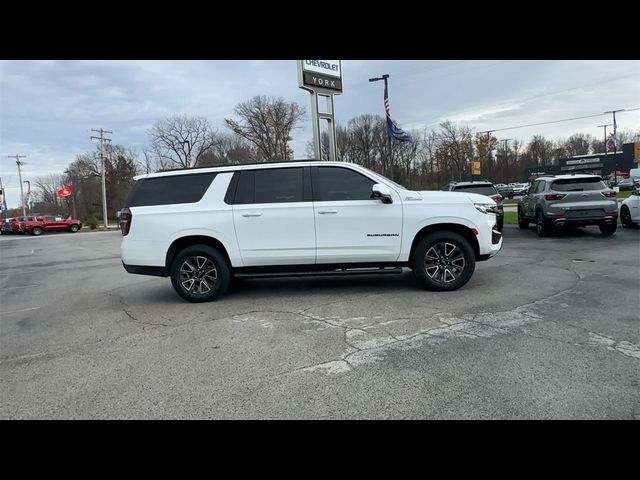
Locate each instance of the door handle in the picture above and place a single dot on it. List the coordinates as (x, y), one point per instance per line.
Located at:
(327, 211)
(252, 214)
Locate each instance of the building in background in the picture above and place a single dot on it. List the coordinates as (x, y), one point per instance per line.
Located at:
(603, 164)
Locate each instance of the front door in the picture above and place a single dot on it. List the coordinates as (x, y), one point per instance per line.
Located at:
(351, 227)
(273, 217)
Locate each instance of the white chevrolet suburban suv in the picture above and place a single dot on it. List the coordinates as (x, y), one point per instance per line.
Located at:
(202, 226)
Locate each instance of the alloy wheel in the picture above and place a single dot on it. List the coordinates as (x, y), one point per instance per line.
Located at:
(444, 262)
(198, 275)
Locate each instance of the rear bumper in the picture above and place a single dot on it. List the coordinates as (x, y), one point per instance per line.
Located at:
(146, 270)
(606, 220)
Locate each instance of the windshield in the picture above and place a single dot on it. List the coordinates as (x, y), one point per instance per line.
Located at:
(481, 189)
(387, 179)
(578, 184)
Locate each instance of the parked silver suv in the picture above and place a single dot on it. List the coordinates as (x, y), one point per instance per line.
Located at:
(568, 200)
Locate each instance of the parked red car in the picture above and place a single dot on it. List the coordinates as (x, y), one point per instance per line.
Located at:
(52, 223)
(15, 225)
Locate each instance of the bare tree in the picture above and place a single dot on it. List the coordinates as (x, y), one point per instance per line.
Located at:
(578, 144)
(268, 123)
(177, 138)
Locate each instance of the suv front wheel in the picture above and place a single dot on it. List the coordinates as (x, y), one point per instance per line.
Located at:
(443, 261)
(200, 273)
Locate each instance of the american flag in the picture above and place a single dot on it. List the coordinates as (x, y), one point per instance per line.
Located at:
(393, 130)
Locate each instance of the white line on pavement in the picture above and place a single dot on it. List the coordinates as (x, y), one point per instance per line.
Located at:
(17, 311)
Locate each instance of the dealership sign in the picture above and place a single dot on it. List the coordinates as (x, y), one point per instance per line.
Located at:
(582, 161)
(321, 75)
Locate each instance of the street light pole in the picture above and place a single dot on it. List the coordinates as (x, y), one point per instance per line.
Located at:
(615, 138)
(19, 163)
(28, 193)
(605, 135)
(73, 195)
(104, 183)
(385, 78)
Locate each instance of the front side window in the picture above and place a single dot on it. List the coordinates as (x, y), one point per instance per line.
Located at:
(335, 184)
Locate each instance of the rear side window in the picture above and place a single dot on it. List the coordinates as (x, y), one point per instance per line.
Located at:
(578, 184)
(277, 185)
(481, 189)
(169, 190)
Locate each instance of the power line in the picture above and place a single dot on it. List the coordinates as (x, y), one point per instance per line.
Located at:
(516, 100)
(558, 121)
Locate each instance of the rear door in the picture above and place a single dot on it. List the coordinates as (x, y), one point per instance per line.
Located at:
(529, 200)
(273, 217)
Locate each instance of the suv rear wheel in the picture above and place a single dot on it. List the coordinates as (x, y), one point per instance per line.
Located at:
(608, 228)
(74, 228)
(522, 222)
(543, 227)
(443, 261)
(200, 273)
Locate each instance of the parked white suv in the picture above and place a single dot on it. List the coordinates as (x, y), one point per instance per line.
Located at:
(202, 226)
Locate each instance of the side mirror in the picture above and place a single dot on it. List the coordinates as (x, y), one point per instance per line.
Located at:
(382, 192)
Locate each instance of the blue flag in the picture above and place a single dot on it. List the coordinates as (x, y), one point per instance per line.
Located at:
(393, 130)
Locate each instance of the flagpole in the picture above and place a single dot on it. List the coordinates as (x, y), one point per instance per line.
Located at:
(385, 77)
(393, 170)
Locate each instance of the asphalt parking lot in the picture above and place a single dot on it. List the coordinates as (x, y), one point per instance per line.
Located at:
(547, 329)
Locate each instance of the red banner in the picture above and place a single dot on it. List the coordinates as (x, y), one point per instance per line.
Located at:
(66, 191)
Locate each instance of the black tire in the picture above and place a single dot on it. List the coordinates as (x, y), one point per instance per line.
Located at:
(443, 261)
(36, 231)
(522, 222)
(608, 228)
(200, 258)
(510, 196)
(543, 227)
(625, 217)
(74, 228)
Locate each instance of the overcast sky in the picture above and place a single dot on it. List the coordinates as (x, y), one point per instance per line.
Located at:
(48, 108)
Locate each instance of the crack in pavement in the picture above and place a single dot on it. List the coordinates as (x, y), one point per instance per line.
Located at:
(465, 325)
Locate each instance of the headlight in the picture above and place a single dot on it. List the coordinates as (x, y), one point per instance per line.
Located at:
(487, 207)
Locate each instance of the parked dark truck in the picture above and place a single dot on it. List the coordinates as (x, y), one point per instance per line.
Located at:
(52, 223)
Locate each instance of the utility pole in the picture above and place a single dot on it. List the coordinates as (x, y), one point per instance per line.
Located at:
(506, 157)
(605, 135)
(104, 184)
(385, 77)
(615, 138)
(19, 163)
(29, 203)
(489, 155)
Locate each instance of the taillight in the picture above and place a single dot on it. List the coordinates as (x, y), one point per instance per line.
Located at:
(609, 194)
(498, 197)
(125, 221)
(554, 196)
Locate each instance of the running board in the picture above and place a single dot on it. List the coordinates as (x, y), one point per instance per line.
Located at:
(321, 273)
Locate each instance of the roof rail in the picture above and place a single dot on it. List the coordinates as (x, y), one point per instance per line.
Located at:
(239, 164)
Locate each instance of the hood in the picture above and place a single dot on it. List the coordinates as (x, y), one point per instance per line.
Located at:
(433, 196)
